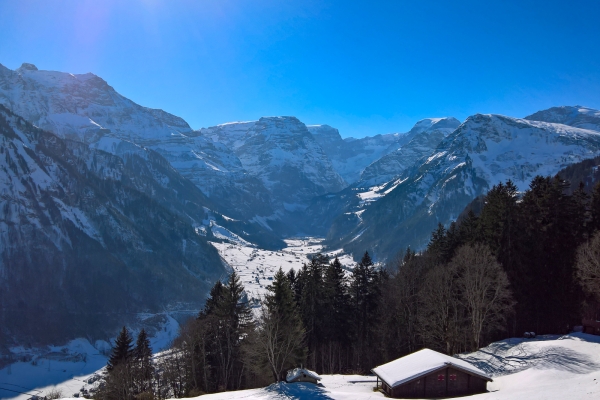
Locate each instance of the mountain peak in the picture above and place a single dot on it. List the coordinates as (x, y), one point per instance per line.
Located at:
(26, 67)
(434, 123)
(576, 116)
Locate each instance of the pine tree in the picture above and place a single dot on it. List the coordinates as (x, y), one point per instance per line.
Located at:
(311, 302)
(122, 350)
(469, 229)
(365, 293)
(143, 366)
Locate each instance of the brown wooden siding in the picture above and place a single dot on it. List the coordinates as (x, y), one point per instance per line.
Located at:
(445, 382)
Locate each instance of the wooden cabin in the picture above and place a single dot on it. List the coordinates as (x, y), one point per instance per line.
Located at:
(591, 319)
(429, 374)
(302, 375)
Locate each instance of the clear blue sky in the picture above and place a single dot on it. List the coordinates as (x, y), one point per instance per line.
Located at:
(365, 67)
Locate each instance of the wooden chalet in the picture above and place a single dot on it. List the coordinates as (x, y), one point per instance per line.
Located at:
(429, 374)
(302, 375)
(591, 319)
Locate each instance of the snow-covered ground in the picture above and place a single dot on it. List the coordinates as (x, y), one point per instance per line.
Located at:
(545, 368)
(256, 267)
(71, 367)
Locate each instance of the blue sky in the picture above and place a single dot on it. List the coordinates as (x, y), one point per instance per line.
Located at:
(364, 67)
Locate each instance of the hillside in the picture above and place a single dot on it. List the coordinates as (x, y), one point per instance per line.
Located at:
(483, 151)
(87, 237)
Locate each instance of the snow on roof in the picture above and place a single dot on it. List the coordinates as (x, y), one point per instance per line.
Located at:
(421, 363)
(296, 372)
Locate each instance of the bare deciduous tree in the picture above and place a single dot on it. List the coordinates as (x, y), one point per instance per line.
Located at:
(279, 342)
(484, 290)
(440, 310)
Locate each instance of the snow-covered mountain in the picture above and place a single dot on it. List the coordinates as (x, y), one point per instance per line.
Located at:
(483, 151)
(250, 171)
(426, 135)
(276, 176)
(82, 107)
(351, 156)
(281, 152)
(88, 237)
(577, 116)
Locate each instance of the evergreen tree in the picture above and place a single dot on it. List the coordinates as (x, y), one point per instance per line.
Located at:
(548, 302)
(311, 304)
(438, 244)
(122, 350)
(365, 293)
(336, 318)
(143, 366)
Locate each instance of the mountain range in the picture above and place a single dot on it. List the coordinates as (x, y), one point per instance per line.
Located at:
(101, 194)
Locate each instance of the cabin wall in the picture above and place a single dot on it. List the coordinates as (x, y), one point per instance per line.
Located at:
(447, 382)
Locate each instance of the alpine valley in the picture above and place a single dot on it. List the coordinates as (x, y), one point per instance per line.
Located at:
(109, 208)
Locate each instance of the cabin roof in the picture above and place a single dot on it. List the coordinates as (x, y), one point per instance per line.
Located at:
(296, 372)
(421, 363)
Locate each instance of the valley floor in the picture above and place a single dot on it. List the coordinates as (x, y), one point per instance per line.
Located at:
(256, 267)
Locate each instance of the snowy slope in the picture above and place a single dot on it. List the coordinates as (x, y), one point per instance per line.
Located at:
(546, 368)
(484, 150)
(283, 154)
(376, 180)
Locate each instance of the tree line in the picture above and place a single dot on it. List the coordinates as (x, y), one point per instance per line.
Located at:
(513, 262)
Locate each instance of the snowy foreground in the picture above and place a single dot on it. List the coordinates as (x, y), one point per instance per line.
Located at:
(551, 367)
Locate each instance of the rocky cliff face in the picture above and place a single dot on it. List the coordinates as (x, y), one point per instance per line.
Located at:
(283, 154)
(351, 156)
